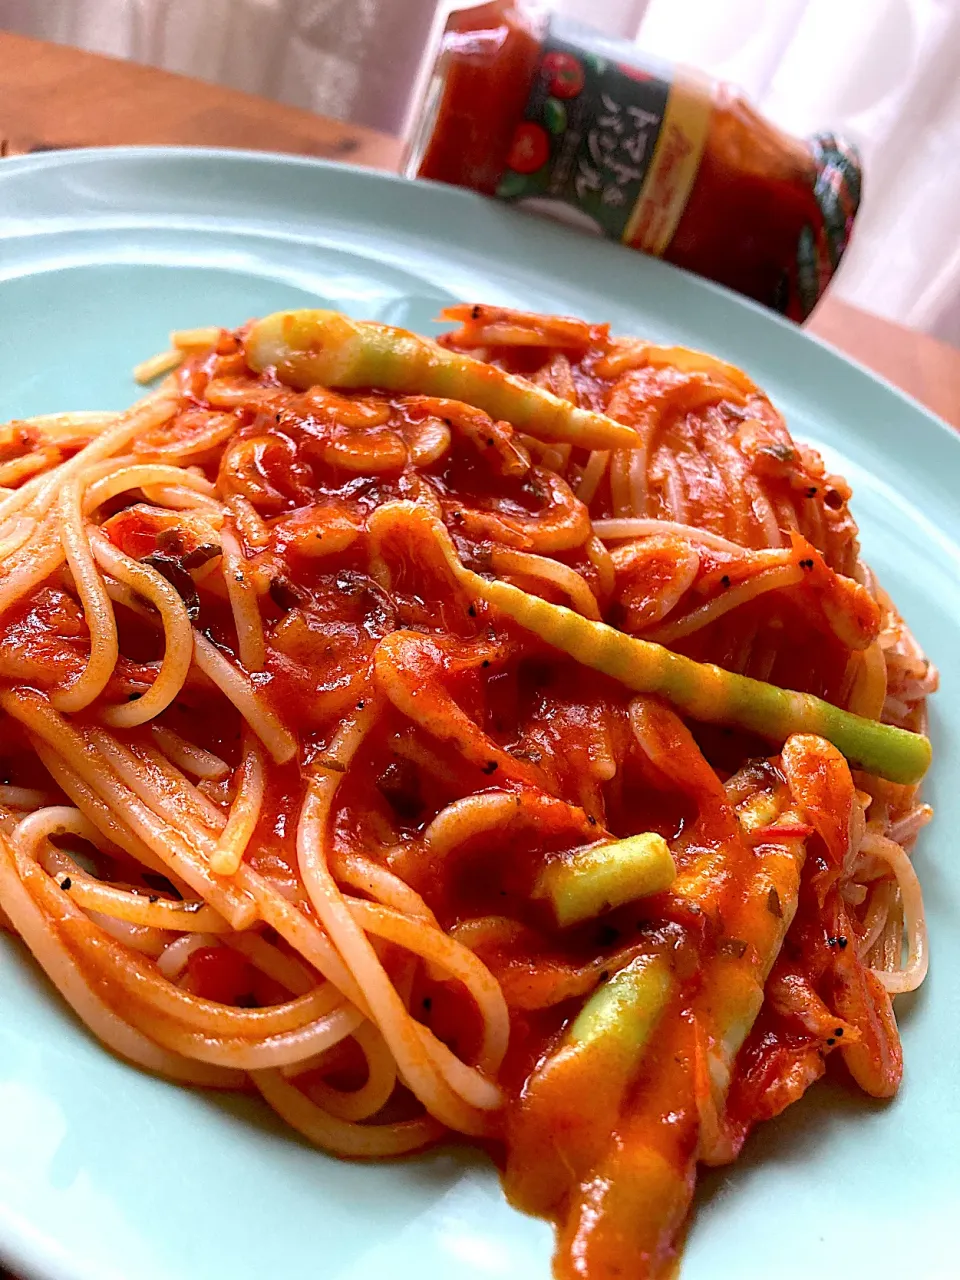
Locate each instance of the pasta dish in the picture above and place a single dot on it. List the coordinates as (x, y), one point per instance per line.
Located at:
(498, 735)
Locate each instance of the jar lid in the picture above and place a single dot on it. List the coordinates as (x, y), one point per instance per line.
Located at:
(837, 191)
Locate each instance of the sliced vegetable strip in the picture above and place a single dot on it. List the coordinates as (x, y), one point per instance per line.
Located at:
(323, 347)
(602, 876)
(704, 691)
(624, 1011)
(600, 1056)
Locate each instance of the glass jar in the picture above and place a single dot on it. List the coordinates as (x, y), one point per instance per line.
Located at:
(539, 111)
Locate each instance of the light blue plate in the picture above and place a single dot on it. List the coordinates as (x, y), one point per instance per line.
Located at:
(108, 1174)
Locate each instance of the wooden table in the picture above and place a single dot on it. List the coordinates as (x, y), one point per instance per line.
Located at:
(52, 97)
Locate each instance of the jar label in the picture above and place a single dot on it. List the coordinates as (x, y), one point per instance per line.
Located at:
(611, 133)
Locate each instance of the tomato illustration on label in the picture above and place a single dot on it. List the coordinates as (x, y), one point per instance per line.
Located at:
(635, 73)
(565, 72)
(530, 150)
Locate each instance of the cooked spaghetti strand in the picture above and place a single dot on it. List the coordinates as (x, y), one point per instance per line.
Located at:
(382, 730)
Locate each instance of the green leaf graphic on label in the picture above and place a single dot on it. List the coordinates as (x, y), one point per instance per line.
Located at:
(511, 186)
(595, 62)
(555, 116)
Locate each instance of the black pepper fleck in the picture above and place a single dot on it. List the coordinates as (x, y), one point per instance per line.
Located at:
(476, 312)
(66, 882)
(199, 556)
(472, 610)
(812, 491)
(485, 662)
(331, 765)
(733, 947)
(427, 1004)
(830, 1041)
(284, 594)
(839, 1032)
(725, 581)
(780, 451)
(169, 540)
(591, 820)
(361, 704)
(604, 974)
(490, 767)
(153, 898)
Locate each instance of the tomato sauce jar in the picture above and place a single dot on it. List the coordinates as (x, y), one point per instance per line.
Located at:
(544, 113)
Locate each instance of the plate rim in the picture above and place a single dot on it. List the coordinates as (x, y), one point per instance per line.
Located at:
(164, 155)
(47, 1268)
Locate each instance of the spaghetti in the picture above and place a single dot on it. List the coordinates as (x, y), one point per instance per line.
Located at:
(500, 736)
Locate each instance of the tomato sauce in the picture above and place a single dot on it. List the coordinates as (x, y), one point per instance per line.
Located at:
(470, 706)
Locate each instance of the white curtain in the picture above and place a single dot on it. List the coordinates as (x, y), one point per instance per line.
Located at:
(886, 72)
(354, 59)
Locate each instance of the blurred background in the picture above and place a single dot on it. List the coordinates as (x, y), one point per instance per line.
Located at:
(885, 72)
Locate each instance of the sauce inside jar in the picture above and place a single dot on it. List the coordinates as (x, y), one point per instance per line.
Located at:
(763, 213)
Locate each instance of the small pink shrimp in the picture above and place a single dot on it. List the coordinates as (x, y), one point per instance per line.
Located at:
(562, 523)
(492, 440)
(485, 326)
(411, 667)
(847, 607)
(653, 575)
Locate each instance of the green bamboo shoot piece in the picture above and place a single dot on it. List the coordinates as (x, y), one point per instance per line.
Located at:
(710, 694)
(623, 1013)
(325, 348)
(703, 691)
(604, 876)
